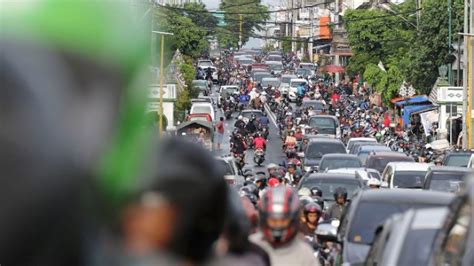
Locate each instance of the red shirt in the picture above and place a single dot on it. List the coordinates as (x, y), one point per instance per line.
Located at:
(386, 121)
(220, 127)
(259, 143)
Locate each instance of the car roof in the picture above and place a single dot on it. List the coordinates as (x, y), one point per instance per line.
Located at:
(201, 104)
(388, 154)
(410, 166)
(461, 152)
(230, 86)
(288, 75)
(251, 111)
(323, 116)
(362, 139)
(312, 101)
(406, 196)
(324, 139)
(434, 168)
(374, 148)
(270, 79)
(335, 176)
(340, 155)
(298, 79)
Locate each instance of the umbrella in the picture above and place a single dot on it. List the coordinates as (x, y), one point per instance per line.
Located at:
(333, 69)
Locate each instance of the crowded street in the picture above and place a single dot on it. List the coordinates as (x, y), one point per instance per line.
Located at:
(228, 132)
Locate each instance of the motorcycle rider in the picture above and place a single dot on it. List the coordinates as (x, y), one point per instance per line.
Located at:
(251, 125)
(292, 173)
(279, 228)
(240, 124)
(259, 142)
(336, 210)
(312, 213)
(290, 141)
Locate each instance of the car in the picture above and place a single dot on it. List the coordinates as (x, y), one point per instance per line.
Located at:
(362, 173)
(370, 208)
(355, 147)
(379, 160)
(203, 108)
(293, 90)
(365, 150)
(276, 67)
(404, 175)
(317, 105)
(310, 66)
(325, 124)
(353, 141)
(245, 61)
(199, 117)
(258, 76)
(329, 182)
(338, 160)
(470, 164)
(274, 82)
(203, 99)
(227, 91)
(232, 175)
(247, 114)
(304, 73)
(446, 178)
(204, 63)
(458, 158)
(317, 148)
(274, 57)
(202, 85)
(407, 238)
(454, 244)
(285, 83)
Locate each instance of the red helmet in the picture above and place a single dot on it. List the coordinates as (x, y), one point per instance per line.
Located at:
(278, 209)
(273, 182)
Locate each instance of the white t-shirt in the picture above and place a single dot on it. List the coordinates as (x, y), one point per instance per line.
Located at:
(297, 252)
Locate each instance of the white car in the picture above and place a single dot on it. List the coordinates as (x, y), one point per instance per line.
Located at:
(404, 175)
(204, 63)
(352, 141)
(362, 173)
(293, 91)
(203, 108)
(285, 83)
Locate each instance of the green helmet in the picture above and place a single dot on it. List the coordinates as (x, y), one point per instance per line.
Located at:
(378, 136)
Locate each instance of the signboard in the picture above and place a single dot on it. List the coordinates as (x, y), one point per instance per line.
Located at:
(450, 95)
(169, 91)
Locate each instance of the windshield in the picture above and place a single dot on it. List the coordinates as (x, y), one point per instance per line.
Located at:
(205, 64)
(249, 114)
(447, 181)
(324, 125)
(303, 72)
(199, 118)
(362, 229)
(274, 58)
(380, 162)
(287, 79)
(246, 62)
(259, 77)
(409, 179)
(328, 186)
(316, 150)
(224, 165)
(201, 110)
(335, 163)
(352, 143)
(274, 83)
(458, 160)
(276, 67)
(307, 66)
(415, 250)
(297, 83)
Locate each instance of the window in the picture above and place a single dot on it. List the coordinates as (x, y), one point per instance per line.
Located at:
(455, 244)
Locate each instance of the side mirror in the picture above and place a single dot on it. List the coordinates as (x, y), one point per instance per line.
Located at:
(384, 184)
(327, 232)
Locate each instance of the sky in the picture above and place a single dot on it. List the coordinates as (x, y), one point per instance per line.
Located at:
(252, 43)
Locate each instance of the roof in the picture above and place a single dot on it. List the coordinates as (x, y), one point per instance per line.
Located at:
(362, 139)
(323, 116)
(450, 169)
(410, 166)
(413, 100)
(324, 139)
(266, 79)
(411, 109)
(374, 148)
(297, 79)
(406, 196)
(340, 155)
(340, 176)
(251, 111)
(388, 154)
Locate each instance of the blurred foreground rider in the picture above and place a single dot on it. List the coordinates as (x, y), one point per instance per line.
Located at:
(161, 224)
(66, 87)
(279, 208)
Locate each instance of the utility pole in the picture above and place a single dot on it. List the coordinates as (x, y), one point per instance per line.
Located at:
(450, 66)
(293, 44)
(466, 112)
(240, 31)
(311, 34)
(336, 57)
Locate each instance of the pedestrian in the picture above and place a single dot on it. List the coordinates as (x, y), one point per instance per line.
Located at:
(220, 132)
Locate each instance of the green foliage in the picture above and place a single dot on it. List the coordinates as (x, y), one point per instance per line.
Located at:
(188, 36)
(188, 72)
(226, 38)
(386, 83)
(251, 23)
(200, 18)
(183, 101)
(286, 44)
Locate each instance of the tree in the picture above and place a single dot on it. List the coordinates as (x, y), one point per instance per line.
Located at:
(253, 15)
(200, 17)
(430, 49)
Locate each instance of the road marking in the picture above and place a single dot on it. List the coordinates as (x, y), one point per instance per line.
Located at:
(270, 114)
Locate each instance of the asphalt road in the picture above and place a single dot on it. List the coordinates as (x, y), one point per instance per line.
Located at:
(274, 153)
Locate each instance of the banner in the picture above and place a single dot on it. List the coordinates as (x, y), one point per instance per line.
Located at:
(427, 119)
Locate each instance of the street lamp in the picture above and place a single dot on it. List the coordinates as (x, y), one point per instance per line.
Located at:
(160, 128)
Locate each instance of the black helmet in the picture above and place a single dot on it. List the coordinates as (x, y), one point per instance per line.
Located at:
(340, 192)
(320, 201)
(316, 191)
(305, 200)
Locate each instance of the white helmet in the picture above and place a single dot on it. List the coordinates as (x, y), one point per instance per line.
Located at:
(374, 182)
(304, 191)
(272, 166)
(240, 117)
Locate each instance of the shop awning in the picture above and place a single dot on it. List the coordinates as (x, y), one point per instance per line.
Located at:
(412, 109)
(413, 100)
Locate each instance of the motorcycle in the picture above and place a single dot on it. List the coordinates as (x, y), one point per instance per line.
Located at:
(249, 140)
(240, 162)
(259, 157)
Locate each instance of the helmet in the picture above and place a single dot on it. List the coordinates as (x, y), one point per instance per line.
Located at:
(316, 191)
(279, 203)
(291, 164)
(320, 201)
(240, 117)
(273, 182)
(272, 166)
(373, 182)
(340, 192)
(312, 208)
(304, 191)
